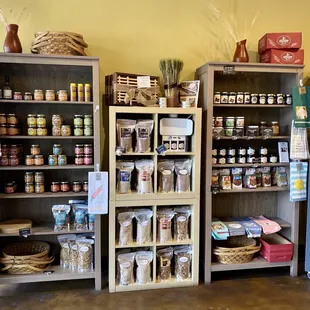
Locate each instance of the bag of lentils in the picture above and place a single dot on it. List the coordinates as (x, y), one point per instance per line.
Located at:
(144, 225)
(183, 259)
(181, 221)
(166, 176)
(85, 249)
(64, 241)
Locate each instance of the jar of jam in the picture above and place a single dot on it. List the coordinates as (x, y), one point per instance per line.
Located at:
(66, 130)
(288, 99)
(77, 187)
(38, 160)
(12, 130)
(5, 149)
(64, 186)
(79, 160)
(62, 95)
(275, 128)
(270, 98)
(85, 186)
(62, 160)
(52, 160)
(3, 130)
(29, 161)
(9, 188)
(4, 161)
(39, 188)
(56, 131)
(254, 98)
(17, 95)
(78, 131)
(240, 98)
(13, 160)
(247, 97)
(55, 187)
(28, 96)
(11, 119)
(224, 97)
(241, 159)
(14, 149)
(2, 119)
(29, 177)
(35, 149)
(41, 120)
(57, 120)
(32, 120)
(262, 98)
(38, 95)
(78, 120)
(39, 177)
(88, 160)
(280, 99)
(41, 131)
(57, 149)
(50, 95)
(32, 131)
(88, 131)
(29, 188)
(217, 98)
(231, 160)
(88, 120)
(79, 149)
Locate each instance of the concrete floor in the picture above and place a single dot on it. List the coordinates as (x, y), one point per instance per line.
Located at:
(276, 292)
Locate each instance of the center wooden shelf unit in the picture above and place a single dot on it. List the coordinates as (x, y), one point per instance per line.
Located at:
(28, 72)
(155, 200)
(271, 201)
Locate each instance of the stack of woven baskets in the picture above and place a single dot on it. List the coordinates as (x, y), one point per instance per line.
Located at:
(26, 257)
(58, 43)
(236, 250)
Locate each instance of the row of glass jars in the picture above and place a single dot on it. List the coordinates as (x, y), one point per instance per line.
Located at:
(77, 186)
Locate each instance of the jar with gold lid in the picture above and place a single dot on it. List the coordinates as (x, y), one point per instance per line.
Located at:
(63, 95)
(77, 187)
(35, 149)
(39, 188)
(2, 119)
(32, 131)
(57, 120)
(29, 161)
(9, 188)
(39, 177)
(28, 96)
(88, 160)
(38, 160)
(3, 130)
(11, 119)
(62, 160)
(66, 130)
(41, 131)
(41, 120)
(32, 120)
(56, 131)
(275, 128)
(29, 188)
(88, 149)
(50, 95)
(64, 186)
(14, 149)
(12, 130)
(38, 95)
(52, 160)
(29, 177)
(78, 120)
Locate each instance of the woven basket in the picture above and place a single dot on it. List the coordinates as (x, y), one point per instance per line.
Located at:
(58, 43)
(26, 257)
(236, 250)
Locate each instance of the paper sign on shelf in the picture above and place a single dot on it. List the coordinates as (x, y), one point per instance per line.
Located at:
(98, 192)
(144, 81)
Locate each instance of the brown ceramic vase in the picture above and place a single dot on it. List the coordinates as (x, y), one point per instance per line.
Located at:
(12, 43)
(241, 53)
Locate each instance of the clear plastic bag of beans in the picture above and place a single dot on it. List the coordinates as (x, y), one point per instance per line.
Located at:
(125, 231)
(183, 261)
(85, 259)
(183, 169)
(64, 241)
(166, 176)
(164, 263)
(181, 223)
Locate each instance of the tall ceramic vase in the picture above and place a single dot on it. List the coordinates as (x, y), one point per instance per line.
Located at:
(12, 42)
(241, 53)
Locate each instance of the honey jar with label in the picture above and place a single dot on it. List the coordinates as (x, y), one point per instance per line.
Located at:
(39, 188)
(32, 120)
(41, 120)
(65, 130)
(38, 160)
(29, 161)
(29, 188)
(41, 131)
(32, 131)
(2, 119)
(3, 130)
(57, 120)
(50, 95)
(39, 177)
(29, 177)
(35, 149)
(11, 119)
(38, 95)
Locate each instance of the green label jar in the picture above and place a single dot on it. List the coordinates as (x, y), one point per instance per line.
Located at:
(78, 120)
(88, 131)
(78, 130)
(88, 120)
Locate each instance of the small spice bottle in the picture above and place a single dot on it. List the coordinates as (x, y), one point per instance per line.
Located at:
(11, 119)
(28, 96)
(79, 160)
(79, 149)
(57, 149)
(62, 160)
(41, 131)
(224, 97)
(35, 149)
(288, 99)
(50, 95)
(17, 95)
(32, 131)
(77, 187)
(38, 94)
(270, 98)
(2, 119)
(88, 131)
(66, 130)
(240, 98)
(39, 177)
(275, 128)
(247, 98)
(4, 160)
(52, 160)
(29, 177)
(62, 95)
(64, 186)
(78, 131)
(32, 120)
(280, 99)
(78, 120)
(41, 120)
(29, 161)
(13, 160)
(88, 149)
(56, 131)
(85, 186)
(232, 98)
(88, 160)
(88, 120)
(38, 160)
(87, 92)
(57, 120)
(29, 188)
(39, 188)
(55, 187)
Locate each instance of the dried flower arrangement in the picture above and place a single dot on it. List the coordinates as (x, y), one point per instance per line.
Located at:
(4, 20)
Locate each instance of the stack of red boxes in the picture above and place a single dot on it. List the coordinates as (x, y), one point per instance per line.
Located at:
(281, 48)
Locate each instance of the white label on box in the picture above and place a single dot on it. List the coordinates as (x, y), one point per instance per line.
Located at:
(144, 81)
(98, 192)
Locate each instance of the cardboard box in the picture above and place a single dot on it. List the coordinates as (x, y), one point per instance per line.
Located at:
(284, 40)
(287, 57)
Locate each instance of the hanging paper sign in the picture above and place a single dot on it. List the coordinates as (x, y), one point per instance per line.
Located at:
(98, 192)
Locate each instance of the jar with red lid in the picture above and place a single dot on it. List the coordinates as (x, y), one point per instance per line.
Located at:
(77, 187)
(88, 160)
(79, 160)
(9, 188)
(13, 160)
(64, 186)
(85, 186)
(55, 187)
(3, 130)
(88, 149)
(4, 161)
(79, 149)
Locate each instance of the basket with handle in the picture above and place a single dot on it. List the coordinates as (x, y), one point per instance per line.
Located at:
(58, 43)
(26, 257)
(236, 250)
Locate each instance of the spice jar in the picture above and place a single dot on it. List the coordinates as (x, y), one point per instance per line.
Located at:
(39, 177)
(62, 160)
(56, 131)
(50, 95)
(79, 160)
(88, 131)
(57, 120)
(247, 98)
(232, 98)
(38, 160)
(32, 131)
(38, 95)
(240, 98)
(9, 188)
(222, 152)
(17, 95)
(13, 160)
(88, 120)
(78, 120)
(66, 130)
(270, 98)
(57, 149)
(280, 99)
(80, 92)
(64, 186)
(2, 119)
(224, 97)
(4, 160)
(29, 177)
(29, 188)
(79, 149)
(87, 92)
(32, 120)
(28, 96)
(35, 149)
(62, 95)
(77, 187)
(12, 130)
(85, 186)
(262, 98)
(275, 128)
(88, 160)
(41, 120)
(39, 188)
(29, 161)
(78, 130)
(52, 160)
(3, 130)
(55, 187)
(11, 119)
(254, 98)
(288, 99)
(217, 98)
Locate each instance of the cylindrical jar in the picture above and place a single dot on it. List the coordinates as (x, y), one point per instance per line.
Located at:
(78, 131)
(85, 186)
(232, 98)
(52, 160)
(262, 98)
(39, 188)
(32, 131)
(77, 187)
(13, 160)
(275, 128)
(39, 177)
(29, 188)
(29, 161)
(87, 92)
(288, 99)
(88, 149)
(64, 186)
(5, 149)
(9, 188)
(38, 94)
(35, 149)
(55, 187)
(17, 95)
(11, 119)
(263, 126)
(270, 98)
(88, 120)
(28, 96)
(63, 95)
(273, 159)
(2, 119)
(57, 120)
(79, 160)
(29, 177)
(50, 95)
(88, 160)
(62, 160)
(229, 121)
(12, 130)
(3, 130)
(73, 92)
(4, 160)
(78, 120)
(66, 130)
(219, 121)
(247, 98)
(88, 131)
(241, 159)
(38, 160)
(239, 121)
(57, 149)
(254, 98)
(280, 99)
(41, 131)
(217, 98)
(56, 131)
(14, 149)
(41, 120)
(240, 98)
(32, 120)
(80, 92)
(224, 97)
(79, 149)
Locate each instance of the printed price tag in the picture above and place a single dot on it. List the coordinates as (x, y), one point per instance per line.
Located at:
(25, 232)
(144, 81)
(161, 149)
(229, 70)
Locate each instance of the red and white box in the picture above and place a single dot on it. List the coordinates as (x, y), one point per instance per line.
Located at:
(288, 57)
(282, 40)
(276, 248)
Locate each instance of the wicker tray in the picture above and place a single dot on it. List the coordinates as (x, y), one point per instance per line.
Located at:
(13, 226)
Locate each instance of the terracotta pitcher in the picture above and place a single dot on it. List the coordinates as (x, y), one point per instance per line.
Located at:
(11, 42)
(241, 53)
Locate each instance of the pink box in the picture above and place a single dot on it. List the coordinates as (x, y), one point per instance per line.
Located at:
(288, 57)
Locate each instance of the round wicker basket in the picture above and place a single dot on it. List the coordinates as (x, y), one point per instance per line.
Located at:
(236, 250)
(26, 257)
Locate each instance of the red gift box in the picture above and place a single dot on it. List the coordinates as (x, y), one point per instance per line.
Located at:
(282, 40)
(283, 57)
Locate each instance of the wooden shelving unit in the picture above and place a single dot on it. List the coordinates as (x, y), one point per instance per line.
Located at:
(28, 72)
(155, 200)
(271, 201)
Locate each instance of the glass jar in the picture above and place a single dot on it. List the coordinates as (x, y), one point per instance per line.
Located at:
(263, 151)
(270, 98)
(229, 121)
(222, 160)
(29, 161)
(29, 177)
(41, 131)
(78, 120)
(38, 160)
(80, 92)
(85, 186)
(219, 121)
(247, 97)
(288, 99)
(38, 95)
(12, 130)
(214, 152)
(52, 160)
(280, 99)
(214, 160)
(224, 97)
(32, 120)
(56, 131)
(232, 98)
(240, 98)
(88, 120)
(262, 98)
(275, 128)
(250, 159)
(254, 99)
(239, 121)
(3, 130)
(222, 152)
(29, 188)
(79, 149)
(32, 131)
(263, 159)
(41, 120)
(28, 96)
(217, 97)
(64, 186)
(13, 160)
(4, 160)
(78, 131)
(250, 151)
(62, 160)
(241, 159)
(35, 149)
(73, 92)
(57, 120)
(39, 188)
(87, 92)
(88, 131)
(57, 149)
(231, 152)
(273, 159)
(14, 149)
(63, 95)
(55, 187)
(263, 125)
(2, 119)
(5, 149)
(79, 160)
(231, 160)
(39, 177)
(77, 187)
(50, 95)
(88, 160)
(9, 188)
(65, 130)
(11, 119)
(17, 95)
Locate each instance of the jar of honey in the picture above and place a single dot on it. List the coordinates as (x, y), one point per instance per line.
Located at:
(2, 119)
(38, 95)
(78, 130)
(41, 131)
(64, 186)
(3, 130)
(41, 120)
(88, 131)
(32, 131)
(29, 161)
(55, 187)
(11, 119)
(39, 177)
(56, 131)
(38, 160)
(63, 95)
(39, 188)
(29, 177)
(12, 130)
(50, 95)
(88, 120)
(35, 149)
(29, 188)
(78, 120)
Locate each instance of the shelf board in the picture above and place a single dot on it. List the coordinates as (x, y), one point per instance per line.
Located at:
(250, 165)
(154, 196)
(257, 263)
(255, 138)
(47, 137)
(252, 106)
(136, 154)
(46, 102)
(256, 190)
(282, 223)
(177, 154)
(47, 167)
(134, 245)
(43, 195)
(59, 274)
(174, 243)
